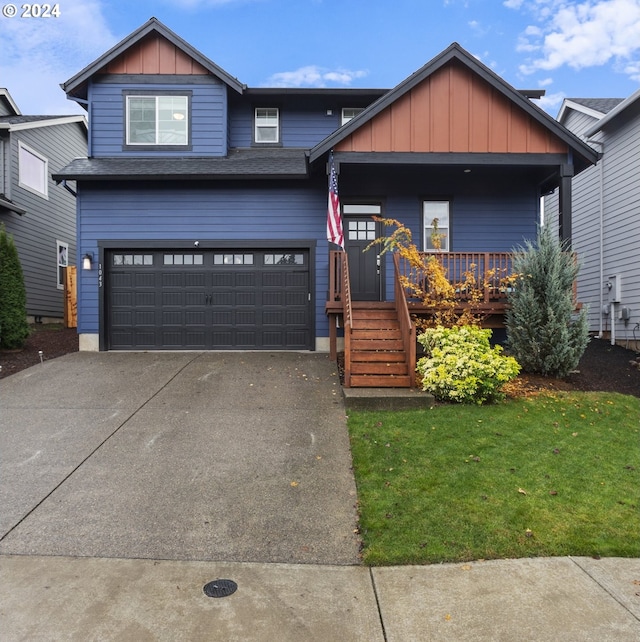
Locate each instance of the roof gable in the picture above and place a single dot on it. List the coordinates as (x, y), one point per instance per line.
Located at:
(594, 107)
(8, 106)
(452, 110)
(153, 48)
(454, 104)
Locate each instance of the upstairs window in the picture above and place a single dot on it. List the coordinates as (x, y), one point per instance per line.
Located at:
(436, 210)
(350, 112)
(33, 171)
(267, 125)
(157, 120)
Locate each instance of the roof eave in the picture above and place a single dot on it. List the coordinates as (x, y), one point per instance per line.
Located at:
(614, 113)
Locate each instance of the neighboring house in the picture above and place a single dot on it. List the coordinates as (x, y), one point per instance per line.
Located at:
(204, 202)
(40, 215)
(606, 212)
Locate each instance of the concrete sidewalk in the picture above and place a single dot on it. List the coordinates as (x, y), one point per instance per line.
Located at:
(547, 600)
(129, 481)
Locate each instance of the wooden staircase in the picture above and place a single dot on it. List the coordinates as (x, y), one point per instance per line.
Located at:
(377, 355)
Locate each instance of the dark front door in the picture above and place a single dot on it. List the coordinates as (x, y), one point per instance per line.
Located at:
(365, 267)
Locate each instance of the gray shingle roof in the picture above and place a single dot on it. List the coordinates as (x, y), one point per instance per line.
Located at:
(19, 120)
(603, 105)
(239, 164)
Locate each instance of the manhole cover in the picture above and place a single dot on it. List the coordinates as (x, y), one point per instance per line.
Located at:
(220, 588)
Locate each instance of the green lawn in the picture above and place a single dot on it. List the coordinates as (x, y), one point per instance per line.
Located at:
(555, 474)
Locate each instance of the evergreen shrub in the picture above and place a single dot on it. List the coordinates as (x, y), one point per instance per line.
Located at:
(544, 332)
(14, 328)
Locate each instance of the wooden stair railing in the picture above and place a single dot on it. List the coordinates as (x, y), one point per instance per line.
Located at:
(407, 326)
(379, 337)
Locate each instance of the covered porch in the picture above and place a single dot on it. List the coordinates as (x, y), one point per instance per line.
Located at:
(380, 336)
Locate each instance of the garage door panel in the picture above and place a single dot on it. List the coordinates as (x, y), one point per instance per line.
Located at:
(144, 280)
(142, 318)
(209, 300)
(222, 298)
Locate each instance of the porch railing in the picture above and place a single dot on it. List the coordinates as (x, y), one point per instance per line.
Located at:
(486, 270)
(343, 263)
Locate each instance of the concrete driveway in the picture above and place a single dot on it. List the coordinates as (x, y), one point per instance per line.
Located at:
(178, 456)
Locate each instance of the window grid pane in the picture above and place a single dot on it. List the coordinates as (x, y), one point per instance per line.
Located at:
(156, 120)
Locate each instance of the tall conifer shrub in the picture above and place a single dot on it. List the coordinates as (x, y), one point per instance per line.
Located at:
(14, 328)
(545, 334)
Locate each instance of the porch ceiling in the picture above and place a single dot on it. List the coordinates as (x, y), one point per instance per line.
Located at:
(542, 170)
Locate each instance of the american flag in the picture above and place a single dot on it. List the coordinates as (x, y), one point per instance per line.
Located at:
(334, 220)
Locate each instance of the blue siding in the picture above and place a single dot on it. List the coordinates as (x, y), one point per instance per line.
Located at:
(484, 218)
(265, 213)
(298, 127)
(208, 118)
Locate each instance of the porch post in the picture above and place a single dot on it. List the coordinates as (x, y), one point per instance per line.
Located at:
(564, 202)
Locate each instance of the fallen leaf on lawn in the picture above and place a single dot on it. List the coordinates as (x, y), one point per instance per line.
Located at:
(522, 491)
(574, 434)
(553, 492)
(528, 533)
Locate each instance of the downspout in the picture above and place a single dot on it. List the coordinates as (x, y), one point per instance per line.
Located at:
(601, 235)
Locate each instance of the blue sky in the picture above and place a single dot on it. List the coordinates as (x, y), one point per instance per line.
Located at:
(570, 49)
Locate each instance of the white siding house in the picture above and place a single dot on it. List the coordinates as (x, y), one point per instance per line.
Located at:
(606, 214)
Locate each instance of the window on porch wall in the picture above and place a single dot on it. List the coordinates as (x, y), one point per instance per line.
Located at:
(439, 210)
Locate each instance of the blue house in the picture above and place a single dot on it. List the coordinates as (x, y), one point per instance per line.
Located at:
(202, 204)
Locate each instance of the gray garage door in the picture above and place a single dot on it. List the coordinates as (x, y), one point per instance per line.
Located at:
(208, 300)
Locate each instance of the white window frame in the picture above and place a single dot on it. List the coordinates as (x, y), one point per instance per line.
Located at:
(36, 182)
(62, 257)
(350, 112)
(440, 209)
(266, 119)
(157, 98)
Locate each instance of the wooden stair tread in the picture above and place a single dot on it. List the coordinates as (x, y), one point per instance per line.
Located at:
(377, 356)
(380, 381)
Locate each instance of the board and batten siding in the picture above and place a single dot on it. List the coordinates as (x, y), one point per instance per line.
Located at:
(47, 220)
(232, 213)
(208, 116)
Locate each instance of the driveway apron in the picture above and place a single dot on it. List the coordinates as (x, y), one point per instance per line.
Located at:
(235, 456)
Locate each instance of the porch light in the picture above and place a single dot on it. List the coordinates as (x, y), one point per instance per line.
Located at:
(87, 260)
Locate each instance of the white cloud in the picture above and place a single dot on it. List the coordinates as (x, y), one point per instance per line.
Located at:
(580, 35)
(551, 102)
(39, 54)
(314, 76)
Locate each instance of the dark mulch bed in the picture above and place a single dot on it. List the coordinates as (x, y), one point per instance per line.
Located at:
(603, 367)
(52, 339)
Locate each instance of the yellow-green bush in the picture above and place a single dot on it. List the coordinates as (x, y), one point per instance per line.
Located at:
(460, 365)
